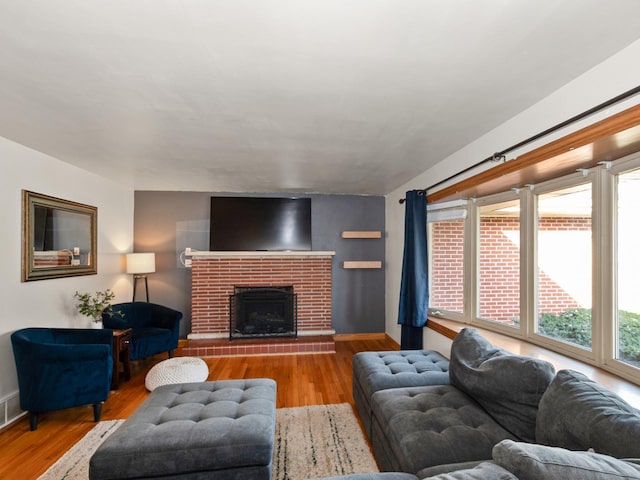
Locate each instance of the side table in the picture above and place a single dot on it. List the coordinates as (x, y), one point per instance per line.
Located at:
(121, 366)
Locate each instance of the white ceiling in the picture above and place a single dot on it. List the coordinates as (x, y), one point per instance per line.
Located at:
(329, 96)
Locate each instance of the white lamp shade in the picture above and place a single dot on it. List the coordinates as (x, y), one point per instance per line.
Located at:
(141, 262)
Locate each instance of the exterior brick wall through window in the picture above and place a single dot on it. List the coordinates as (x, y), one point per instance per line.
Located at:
(499, 275)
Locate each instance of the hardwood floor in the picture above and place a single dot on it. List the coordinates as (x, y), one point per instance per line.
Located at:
(312, 379)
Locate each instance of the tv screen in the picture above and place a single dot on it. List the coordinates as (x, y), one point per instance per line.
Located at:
(260, 223)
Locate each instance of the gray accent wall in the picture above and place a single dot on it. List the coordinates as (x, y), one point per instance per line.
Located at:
(168, 222)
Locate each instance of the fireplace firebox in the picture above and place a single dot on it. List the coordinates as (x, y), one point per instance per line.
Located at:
(263, 312)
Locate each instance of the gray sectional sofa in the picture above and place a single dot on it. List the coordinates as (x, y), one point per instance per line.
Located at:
(500, 416)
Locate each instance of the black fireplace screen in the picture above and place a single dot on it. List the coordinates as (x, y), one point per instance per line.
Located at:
(263, 312)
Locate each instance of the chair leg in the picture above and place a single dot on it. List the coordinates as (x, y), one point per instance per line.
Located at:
(33, 421)
(170, 353)
(97, 411)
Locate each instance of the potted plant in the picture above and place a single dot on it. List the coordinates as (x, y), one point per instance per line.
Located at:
(93, 306)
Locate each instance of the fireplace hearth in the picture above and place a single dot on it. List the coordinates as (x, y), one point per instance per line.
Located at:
(261, 312)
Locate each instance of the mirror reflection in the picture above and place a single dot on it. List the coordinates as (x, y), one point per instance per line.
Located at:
(60, 237)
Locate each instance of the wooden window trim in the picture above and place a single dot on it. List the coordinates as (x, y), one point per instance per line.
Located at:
(607, 140)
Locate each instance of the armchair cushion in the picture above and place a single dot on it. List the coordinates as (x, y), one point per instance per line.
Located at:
(154, 328)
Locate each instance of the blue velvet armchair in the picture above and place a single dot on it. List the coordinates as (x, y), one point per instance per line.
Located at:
(62, 368)
(154, 328)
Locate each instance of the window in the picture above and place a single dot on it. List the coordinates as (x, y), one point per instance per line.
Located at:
(555, 263)
(499, 262)
(564, 273)
(627, 327)
(445, 236)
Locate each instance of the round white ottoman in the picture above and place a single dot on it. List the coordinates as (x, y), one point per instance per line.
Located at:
(176, 370)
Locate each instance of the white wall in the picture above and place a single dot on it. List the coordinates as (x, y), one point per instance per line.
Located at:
(612, 77)
(50, 302)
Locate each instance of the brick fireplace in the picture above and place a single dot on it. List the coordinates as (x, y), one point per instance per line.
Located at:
(215, 276)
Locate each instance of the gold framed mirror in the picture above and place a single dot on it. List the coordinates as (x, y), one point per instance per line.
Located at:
(59, 237)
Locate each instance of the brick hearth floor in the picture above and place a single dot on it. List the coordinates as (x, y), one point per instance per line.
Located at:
(262, 346)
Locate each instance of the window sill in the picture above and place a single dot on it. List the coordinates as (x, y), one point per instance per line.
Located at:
(627, 390)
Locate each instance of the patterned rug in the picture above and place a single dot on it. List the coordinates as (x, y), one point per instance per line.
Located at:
(310, 442)
(319, 441)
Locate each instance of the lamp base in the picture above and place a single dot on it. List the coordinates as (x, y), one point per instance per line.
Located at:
(135, 283)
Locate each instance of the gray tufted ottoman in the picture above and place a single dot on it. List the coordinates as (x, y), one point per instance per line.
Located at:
(374, 371)
(222, 430)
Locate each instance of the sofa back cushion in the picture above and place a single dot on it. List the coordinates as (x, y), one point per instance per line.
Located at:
(507, 386)
(577, 413)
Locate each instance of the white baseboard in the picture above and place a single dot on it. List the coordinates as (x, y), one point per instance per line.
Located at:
(10, 410)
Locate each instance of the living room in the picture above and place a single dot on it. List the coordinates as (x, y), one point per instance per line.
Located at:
(125, 224)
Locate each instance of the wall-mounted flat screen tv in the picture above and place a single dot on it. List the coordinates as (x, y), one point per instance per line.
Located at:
(260, 224)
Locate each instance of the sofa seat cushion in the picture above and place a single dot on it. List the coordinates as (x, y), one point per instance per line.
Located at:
(538, 462)
(507, 386)
(374, 371)
(396, 369)
(419, 427)
(577, 413)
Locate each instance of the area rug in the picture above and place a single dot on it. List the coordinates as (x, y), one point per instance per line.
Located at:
(319, 441)
(310, 442)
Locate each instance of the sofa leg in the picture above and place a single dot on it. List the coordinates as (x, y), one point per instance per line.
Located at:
(97, 411)
(170, 353)
(33, 421)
